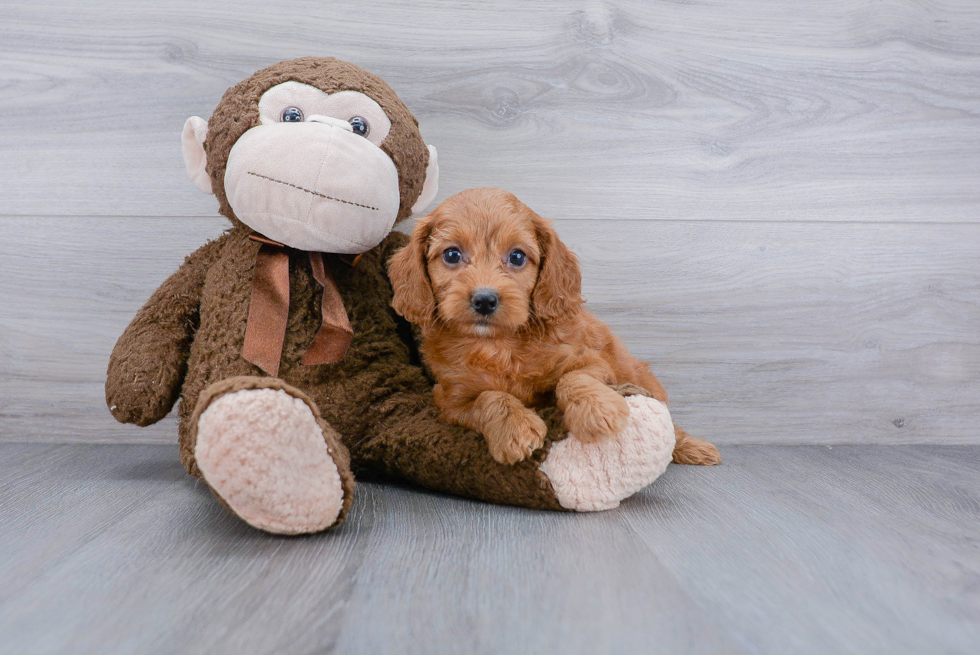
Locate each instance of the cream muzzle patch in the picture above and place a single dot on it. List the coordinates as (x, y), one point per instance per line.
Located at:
(306, 178)
(313, 186)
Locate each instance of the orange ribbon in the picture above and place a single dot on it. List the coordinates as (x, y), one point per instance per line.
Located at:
(268, 311)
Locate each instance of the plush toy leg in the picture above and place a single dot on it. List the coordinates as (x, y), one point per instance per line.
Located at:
(408, 441)
(413, 444)
(262, 447)
(595, 476)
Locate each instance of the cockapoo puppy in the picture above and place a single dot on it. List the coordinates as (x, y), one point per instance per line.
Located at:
(498, 298)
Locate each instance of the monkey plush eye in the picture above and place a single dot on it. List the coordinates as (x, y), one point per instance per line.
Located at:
(517, 258)
(452, 256)
(292, 115)
(359, 125)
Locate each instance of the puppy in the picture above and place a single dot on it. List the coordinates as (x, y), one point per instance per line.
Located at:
(498, 298)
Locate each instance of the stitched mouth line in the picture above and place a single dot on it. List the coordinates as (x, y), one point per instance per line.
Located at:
(315, 193)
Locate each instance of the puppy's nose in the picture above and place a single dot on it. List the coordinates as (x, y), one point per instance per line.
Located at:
(484, 301)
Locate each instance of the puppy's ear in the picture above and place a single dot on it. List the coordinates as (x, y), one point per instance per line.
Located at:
(409, 278)
(558, 291)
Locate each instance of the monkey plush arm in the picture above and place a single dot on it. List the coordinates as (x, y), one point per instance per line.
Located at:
(149, 361)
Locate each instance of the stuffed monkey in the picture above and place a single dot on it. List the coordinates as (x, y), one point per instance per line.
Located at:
(279, 339)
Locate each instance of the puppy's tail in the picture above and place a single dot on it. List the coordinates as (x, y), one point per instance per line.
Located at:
(689, 450)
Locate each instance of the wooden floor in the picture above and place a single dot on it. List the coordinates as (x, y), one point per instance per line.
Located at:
(792, 549)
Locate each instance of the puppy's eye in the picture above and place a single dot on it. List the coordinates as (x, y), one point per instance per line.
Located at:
(452, 256)
(517, 258)
(292, 115)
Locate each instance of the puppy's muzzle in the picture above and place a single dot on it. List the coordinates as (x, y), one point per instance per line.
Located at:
(484, 301)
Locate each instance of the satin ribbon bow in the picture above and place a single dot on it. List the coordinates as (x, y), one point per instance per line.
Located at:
(268, 311)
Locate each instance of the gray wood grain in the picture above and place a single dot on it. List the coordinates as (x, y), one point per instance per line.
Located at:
(761, 332)
(55, 501)
(160, 558)
(855, 549)
(764, 110)
(445, 575)
(842, 549)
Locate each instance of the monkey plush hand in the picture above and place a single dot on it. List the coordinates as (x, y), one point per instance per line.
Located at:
(279, 339)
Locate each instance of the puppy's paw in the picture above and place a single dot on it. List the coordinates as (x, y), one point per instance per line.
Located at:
(598, 414)
(516, 436)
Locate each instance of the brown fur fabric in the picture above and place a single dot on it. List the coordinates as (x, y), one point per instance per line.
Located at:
(186, 342)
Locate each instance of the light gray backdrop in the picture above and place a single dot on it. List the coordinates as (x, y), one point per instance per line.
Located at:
(776, 203)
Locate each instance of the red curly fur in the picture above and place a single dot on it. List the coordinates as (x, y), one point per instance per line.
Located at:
(539, 343)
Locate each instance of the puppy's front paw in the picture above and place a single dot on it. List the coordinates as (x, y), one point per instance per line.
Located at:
(598, 414)
(515, 437)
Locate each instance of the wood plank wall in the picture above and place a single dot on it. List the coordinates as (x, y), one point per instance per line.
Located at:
(776, 203)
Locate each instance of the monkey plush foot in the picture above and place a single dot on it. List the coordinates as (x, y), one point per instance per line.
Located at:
(595, 476)
(265, 455)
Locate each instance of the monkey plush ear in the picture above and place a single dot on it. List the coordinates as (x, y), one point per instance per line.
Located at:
(195, 160)
(431, 186)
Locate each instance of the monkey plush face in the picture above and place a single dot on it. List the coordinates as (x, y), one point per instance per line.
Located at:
(315, 153)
